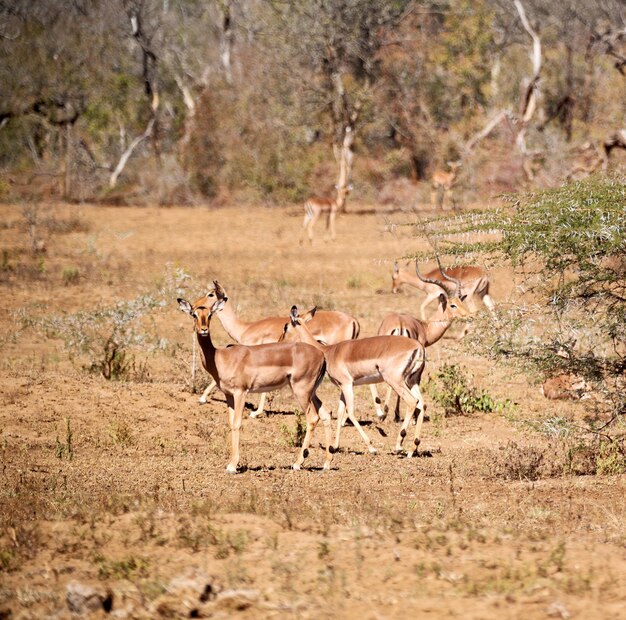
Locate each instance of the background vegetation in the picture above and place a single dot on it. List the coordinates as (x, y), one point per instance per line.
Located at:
(184, 100)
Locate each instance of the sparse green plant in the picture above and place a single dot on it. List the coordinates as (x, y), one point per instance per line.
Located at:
(121, 434)
(451, 388)
(70, 276)
(354, 282)
(65, 450)
(569, 245)
(323, 549)
(129, 568)
(107, 336)
(294, 435)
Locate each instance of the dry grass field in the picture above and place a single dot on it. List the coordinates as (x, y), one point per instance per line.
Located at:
(114, 500)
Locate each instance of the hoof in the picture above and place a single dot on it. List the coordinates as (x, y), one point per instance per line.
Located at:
(372, 450)
(398, 450)
(202, 400)
(410, 455)
(326, 466)
(296, 467)
(255, 414)
(231, 469)
(381, 416)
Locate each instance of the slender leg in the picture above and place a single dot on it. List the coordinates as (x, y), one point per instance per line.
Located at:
(331, 224)
(259, 409)
(324, 415)
(447, 197)
(202, 400)
(341, 410)
(348, 394)
(311, 225)
(380, 413)
(434, 198)
(235, 413)
(417, 394)
(410, 399)
(491, 306)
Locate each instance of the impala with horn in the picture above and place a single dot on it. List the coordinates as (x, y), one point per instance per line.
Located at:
(327, 326)
(238, 370)
(395, 360)
(474, 283)
(450, 307)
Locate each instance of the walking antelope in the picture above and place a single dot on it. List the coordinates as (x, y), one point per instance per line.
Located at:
(427, 333)
(238, 370)
(396, 360)
(441, 185)
(328, 326)
(316, 206)
(474, 283)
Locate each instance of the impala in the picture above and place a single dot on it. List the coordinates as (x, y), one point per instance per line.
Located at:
(474, 283)
(565, 386)
(427, 333)
(238, 370)
(441, 184)
(328, 326)
(396, 360)
(316, 206)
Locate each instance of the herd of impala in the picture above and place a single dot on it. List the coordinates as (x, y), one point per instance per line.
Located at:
(300, 350)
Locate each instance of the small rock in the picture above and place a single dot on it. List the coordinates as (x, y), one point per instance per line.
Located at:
(236, 600)
(83, 598)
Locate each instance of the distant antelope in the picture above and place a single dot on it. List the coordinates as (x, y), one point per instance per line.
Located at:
(441, 184)
(474, 283)
(316, 206)
(564, 386)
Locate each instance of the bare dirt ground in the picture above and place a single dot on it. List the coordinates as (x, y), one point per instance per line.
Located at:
(114, 496)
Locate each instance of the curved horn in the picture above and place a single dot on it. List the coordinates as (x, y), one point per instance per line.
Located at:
(457, 292)
(429, 280)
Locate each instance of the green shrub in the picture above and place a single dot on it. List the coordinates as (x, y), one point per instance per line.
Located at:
(452, 389)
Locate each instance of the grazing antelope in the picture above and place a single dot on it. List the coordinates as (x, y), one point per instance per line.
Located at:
(239, 370)
(441, 185)
(396, 360)
(316, 206)
(328, 326)
(474, 283)
(427, 333)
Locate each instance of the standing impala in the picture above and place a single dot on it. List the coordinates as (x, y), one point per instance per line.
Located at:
(240, 369)
(427, 333)
(328, 326)
(441, 184)
(316, 206)
(474, 283)
(396, 360)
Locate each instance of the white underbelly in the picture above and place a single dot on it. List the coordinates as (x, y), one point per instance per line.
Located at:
(368, 379)
(268, 388)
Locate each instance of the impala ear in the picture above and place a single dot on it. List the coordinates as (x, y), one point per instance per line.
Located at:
(463, 297)
(443, 300)
(293, 316)
(219, 291)
(218, 305)
(307, 316)
(185, 306)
